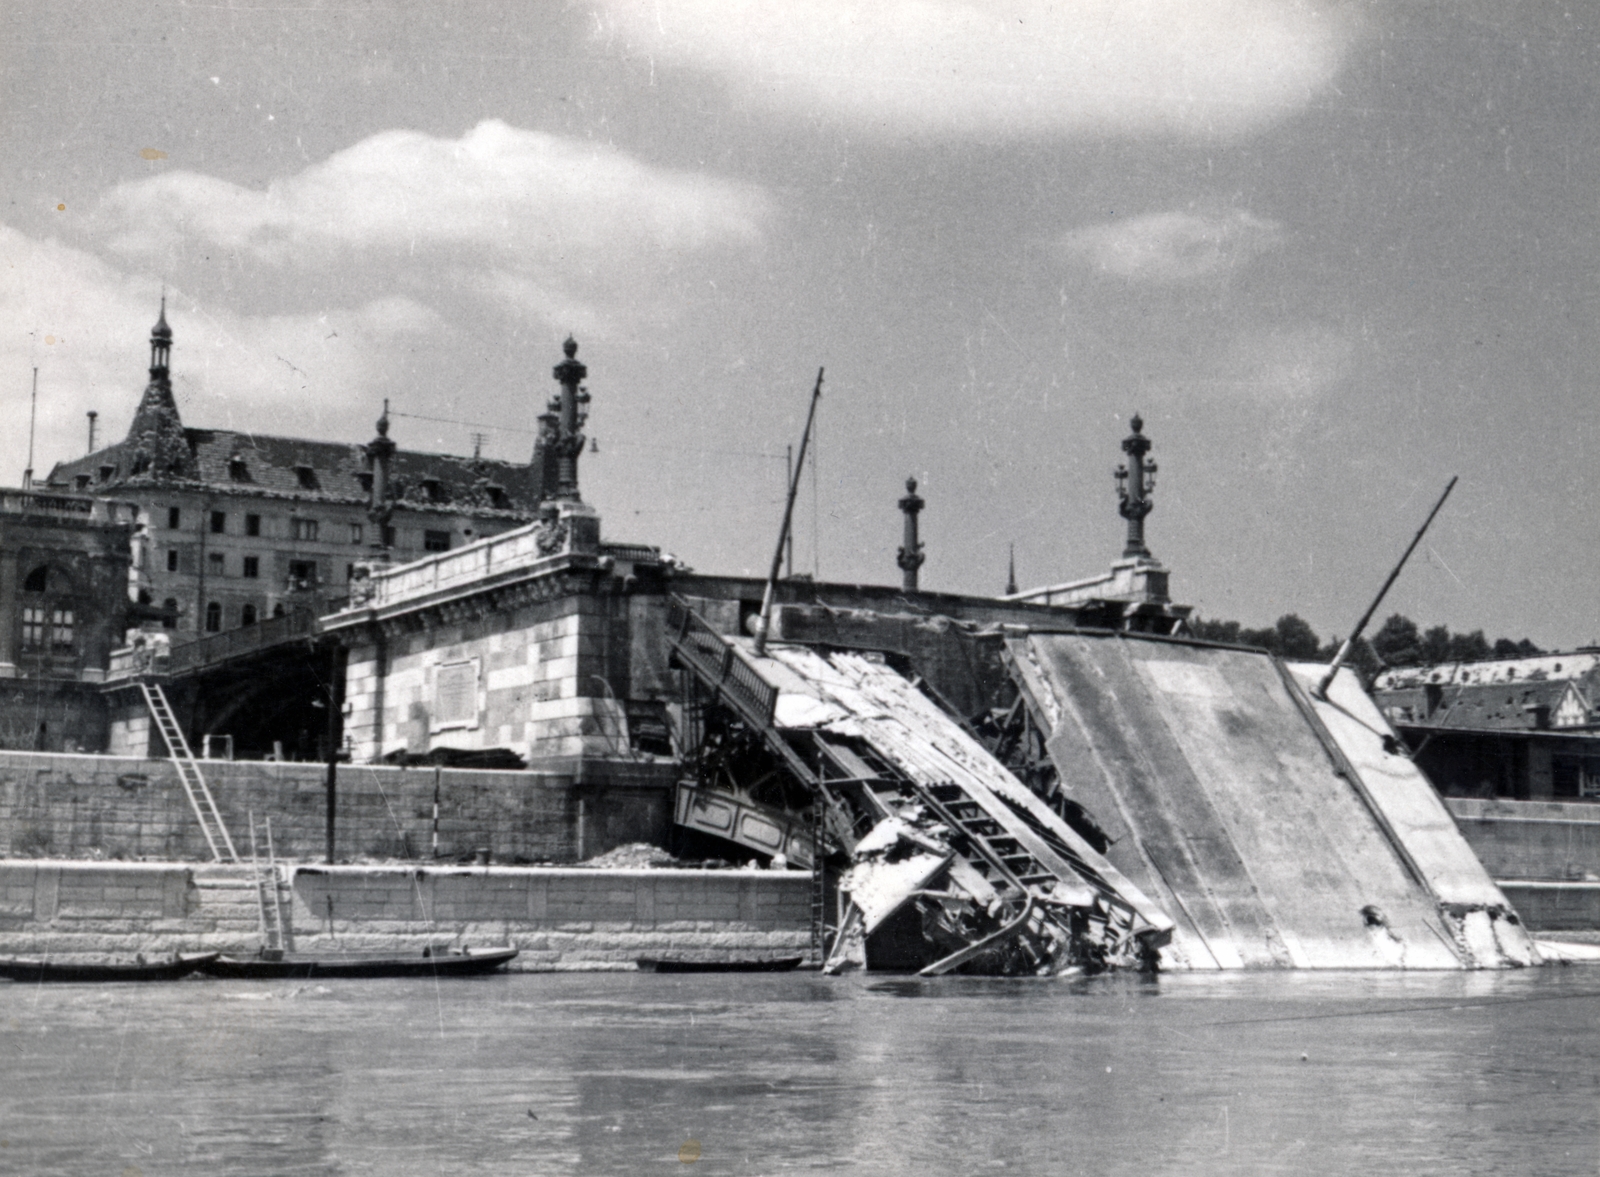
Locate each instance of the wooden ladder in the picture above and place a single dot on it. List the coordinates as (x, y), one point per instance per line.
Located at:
(194, 783)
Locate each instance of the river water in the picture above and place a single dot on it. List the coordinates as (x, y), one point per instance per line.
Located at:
(629, 1073)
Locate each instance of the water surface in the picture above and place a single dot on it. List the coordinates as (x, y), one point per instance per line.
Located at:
(1344, 1073)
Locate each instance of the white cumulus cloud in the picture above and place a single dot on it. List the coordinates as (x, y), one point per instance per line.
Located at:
(984, 67)
(559, 221)
(84, 324)
(1171, 247)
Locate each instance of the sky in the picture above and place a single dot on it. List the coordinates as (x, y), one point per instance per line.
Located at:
(1334, 254)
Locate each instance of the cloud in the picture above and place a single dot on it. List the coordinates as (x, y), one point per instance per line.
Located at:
(558, 220)
(985, 67)
(1286, 365)
(84, 324)
(1173, 247)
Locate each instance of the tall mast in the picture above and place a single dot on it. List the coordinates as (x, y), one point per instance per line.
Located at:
(33, 412)
(764, 624)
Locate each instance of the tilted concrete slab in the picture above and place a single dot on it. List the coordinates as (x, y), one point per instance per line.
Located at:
(1273, 828)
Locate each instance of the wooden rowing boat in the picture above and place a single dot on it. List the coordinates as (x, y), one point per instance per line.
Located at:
(136, 970)
(271, 965)
(780, 964)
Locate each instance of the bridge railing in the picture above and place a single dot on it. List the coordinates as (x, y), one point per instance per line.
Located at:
(157, 656)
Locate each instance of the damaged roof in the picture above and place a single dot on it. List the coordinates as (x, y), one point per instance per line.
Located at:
(294, 467)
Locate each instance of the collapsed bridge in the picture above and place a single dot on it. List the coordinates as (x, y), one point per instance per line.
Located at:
(1125, 800)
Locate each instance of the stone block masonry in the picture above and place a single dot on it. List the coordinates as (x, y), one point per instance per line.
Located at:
(560, 918)
(125, 808)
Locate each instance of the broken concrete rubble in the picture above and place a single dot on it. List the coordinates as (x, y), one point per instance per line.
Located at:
(1134, 801)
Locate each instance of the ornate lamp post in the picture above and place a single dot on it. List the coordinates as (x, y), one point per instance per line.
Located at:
(571, 415)
(1136, 481)
(911, 554)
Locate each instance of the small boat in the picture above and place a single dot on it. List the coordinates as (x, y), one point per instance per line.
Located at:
(782, 964)
(273, 965)
(138, 969)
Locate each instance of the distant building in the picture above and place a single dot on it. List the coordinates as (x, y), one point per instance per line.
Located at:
(237, 527)
(1523, 728)
(64, 563)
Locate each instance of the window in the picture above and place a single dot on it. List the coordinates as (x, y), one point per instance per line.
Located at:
(61, 629)
(216, 564)
(106, 472)
(38, 580)
(497, 497)
(302, 574)
(434, 489)
(307, 476)
(388, 537)
(366, 480)
(303, 529)
(355, 533)
(349, 571)
(174, 518)
(170, 608)
(237, 470)
(33, 627)
(81, 481)
(252, 566)
(277, 610)
(436, 541)
(213, 618)
(252, 524)
(247, 615)
(172, 559)
(219, 522)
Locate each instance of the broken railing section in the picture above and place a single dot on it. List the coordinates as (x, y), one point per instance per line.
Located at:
(954, 863)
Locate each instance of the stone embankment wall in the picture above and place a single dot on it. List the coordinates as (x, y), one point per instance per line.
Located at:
(64, 806)
(1544, 854)
(560, 918)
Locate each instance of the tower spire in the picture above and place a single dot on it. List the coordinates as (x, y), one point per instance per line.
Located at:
(160, 346)
(160, 446)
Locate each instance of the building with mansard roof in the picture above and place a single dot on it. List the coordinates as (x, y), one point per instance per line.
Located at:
(237, 527)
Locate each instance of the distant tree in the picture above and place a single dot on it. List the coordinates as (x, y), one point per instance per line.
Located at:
(1295, 638)
(1397, 642)
(1469, 647)
(1435, 645)
(1267, 639)
(1208, 630)
(1505, 648)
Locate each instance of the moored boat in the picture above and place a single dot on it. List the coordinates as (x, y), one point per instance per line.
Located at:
(782, 964)
(139, 969)
(270, 965)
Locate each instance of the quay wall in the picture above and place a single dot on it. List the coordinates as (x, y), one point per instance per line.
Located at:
(560, 918)
(90, 807)
(1545, 855)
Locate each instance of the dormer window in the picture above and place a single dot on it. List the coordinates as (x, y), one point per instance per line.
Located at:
(433, 489)
(366, 480)
(497, 497)
(237, 470)
(80, 481)
(106, 472)
(308, 477)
